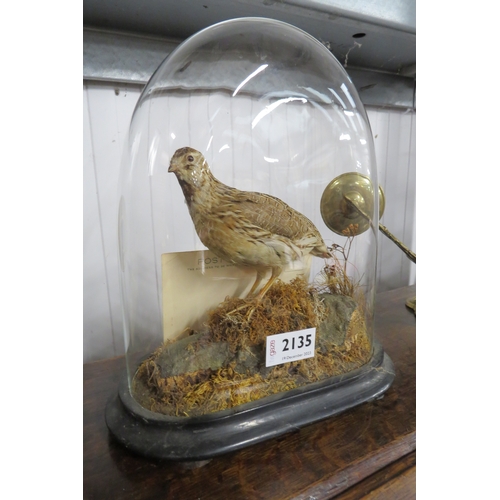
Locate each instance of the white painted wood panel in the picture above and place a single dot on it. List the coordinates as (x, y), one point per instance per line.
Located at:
(394, 138)
(97, 328)
(107, 113)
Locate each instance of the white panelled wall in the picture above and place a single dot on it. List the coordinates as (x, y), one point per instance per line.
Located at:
(107, 110)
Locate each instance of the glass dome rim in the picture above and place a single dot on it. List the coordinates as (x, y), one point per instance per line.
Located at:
(244, 20)
(248, 19)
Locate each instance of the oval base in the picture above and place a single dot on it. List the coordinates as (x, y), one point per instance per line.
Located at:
(200, 438)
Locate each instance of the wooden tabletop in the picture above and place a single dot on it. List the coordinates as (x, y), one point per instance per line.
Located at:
(367, 452)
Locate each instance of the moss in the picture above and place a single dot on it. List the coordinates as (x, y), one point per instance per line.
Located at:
(286, 307)
(238, 329)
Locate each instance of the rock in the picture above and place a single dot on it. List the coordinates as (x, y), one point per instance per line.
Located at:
(333, 329)
(191, 354)
(249, 360)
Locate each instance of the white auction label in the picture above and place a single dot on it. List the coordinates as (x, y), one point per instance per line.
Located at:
(291, 346)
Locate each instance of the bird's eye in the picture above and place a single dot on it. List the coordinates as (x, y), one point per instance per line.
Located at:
(190, 158)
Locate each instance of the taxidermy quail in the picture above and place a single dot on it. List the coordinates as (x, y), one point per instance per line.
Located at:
(244, 228)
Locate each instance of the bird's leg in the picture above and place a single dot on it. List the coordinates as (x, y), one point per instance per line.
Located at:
(276, 271)
(260, 275)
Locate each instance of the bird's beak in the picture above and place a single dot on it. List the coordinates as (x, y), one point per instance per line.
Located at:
(171, 168)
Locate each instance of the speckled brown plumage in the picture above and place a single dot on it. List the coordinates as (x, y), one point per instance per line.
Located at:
(243, 227)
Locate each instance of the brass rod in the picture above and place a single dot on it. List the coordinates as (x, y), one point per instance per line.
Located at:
(411, 255)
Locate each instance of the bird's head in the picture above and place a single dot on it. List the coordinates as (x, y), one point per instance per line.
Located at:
(189, 166)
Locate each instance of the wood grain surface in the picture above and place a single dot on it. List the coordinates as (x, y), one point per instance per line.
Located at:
(366, 452)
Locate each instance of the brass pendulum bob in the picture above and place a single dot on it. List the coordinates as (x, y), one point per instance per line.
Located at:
(349, 202)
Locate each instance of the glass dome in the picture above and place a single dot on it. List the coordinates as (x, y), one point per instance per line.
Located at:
(239, 282)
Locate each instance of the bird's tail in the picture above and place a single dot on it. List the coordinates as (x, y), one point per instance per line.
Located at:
(321, 251)
(310, 244)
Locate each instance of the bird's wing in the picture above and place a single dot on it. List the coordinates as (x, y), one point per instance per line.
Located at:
(273, 215)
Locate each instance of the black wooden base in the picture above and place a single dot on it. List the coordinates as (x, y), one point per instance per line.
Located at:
(201, 438)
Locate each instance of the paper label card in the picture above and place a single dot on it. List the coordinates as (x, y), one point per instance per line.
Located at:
(195, 282)
(290, 346)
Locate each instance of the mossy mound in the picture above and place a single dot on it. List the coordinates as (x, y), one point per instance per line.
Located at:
(225, 366)
(286, 307)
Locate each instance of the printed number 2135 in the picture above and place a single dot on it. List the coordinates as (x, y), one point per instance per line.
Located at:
(297, 342)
